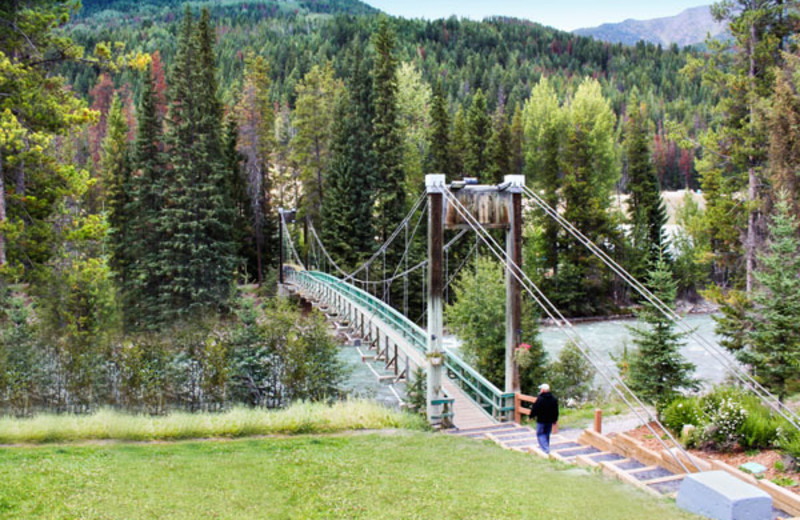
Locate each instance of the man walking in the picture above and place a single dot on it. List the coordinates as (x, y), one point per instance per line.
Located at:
(545, 409)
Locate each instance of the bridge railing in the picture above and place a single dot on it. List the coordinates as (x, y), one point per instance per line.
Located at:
(494, 402)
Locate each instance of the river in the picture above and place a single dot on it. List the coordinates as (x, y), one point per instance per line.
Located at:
(605, 338)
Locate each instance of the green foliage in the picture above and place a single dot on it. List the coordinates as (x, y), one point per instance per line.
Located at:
(657, 370)
(479, 130)
(348, 204)
(682, 411)
(647, 212)
(387, 142)
(417, 393)
(692, 248)
(774, 340)
(19, 362)
(478, 318)
(439, 157)
(572, 375)
(727, 417)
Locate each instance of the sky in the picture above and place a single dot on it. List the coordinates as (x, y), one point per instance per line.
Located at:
(561, 14)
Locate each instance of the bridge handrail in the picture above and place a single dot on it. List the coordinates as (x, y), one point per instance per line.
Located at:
(480, 389)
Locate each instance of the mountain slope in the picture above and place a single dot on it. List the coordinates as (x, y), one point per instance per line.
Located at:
(354, 7)
(688, 28)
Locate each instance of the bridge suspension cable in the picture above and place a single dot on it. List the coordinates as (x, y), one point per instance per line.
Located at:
(288, 237)
(566, 326)
(746, 379)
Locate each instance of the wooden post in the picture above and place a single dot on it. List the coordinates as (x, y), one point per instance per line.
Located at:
(598, 420)
(514, 185)
(434, 184)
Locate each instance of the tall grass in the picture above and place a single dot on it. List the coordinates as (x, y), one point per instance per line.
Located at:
(237, 422)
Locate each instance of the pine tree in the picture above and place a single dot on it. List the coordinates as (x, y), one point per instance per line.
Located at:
(647, 211)
(439, 157)
(760, 30)
(142, 284)
(458, 144)
(479, 130)
(657, 370)
(774, 340)
(311, 144)
(198, 259)
(387, 141)
(346, 213)
(517, 142)
(498, 149)
(116, 165)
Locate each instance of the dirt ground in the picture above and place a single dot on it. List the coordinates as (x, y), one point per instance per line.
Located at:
(766, 458)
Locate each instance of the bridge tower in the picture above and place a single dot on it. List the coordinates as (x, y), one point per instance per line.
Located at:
(493, 207)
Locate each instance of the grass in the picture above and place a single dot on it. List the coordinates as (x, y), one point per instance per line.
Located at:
(238, 422)
(375, 476)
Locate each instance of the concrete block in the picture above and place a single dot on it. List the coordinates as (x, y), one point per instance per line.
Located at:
(754, 468)
(721, 496)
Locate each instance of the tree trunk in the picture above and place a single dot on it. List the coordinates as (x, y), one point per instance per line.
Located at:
(2, 213)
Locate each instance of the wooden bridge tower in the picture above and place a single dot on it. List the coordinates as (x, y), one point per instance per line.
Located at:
(493, 207)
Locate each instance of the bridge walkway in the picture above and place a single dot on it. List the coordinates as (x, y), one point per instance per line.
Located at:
(472, 401)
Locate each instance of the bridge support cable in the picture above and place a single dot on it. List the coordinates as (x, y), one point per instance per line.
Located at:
(616, 383)
(746, 379)
(288, 237)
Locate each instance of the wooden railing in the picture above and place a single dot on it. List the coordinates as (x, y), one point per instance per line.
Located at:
(519, 411)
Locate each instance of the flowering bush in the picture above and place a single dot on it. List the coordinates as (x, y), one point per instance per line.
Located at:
(726, 418)
(523, 356)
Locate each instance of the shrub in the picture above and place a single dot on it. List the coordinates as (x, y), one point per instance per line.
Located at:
(571, 376)
(683, 411)
(760, 428)
(726, 415)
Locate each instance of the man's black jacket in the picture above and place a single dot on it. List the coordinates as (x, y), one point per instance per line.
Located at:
(545, 409)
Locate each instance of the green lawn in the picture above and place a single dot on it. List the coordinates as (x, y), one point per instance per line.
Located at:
(402, 475)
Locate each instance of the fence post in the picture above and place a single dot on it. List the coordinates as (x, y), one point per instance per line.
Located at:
(598, 420)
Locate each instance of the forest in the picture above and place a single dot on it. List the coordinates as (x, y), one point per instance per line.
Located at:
(147, 147)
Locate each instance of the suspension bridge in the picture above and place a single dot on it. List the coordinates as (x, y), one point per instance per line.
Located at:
(457, 395)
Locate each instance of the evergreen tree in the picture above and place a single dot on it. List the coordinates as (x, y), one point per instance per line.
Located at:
(479, 130)
(116, 164)
(311, 144)
(742, 79)
(458, 144)
(773, 349)
(498, 149)
(346, 213)
(646, 208)
(657, 369)
(387, 142)
(142, 285)
(197, 260)
(439, 157)
(517, 142)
